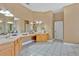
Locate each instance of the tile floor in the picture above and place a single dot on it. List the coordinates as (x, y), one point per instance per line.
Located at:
(56, 48)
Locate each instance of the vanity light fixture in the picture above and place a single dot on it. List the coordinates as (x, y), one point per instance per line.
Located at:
(16, 18)
(10, 22)
(31, 22)
(40, 22)
(37, 22)
(0, 21)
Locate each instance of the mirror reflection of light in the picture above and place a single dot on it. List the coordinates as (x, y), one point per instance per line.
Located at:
(38, 22)
(31, 22)
(6, 13)
(16, 18)
(10, 22)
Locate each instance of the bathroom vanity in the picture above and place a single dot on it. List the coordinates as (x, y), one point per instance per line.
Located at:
(12, 45)
(42, 37)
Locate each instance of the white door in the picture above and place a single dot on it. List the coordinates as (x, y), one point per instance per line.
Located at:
(58, 30)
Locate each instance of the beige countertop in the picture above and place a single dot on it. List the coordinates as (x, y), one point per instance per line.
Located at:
(4, 40)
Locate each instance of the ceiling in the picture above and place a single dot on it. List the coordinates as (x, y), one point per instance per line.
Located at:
(55, 7)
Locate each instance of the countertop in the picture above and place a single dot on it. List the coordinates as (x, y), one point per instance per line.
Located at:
(4, 40)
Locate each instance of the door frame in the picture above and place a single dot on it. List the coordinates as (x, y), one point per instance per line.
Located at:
(54, 28)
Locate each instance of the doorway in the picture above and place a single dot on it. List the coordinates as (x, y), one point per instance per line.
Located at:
(58, 30)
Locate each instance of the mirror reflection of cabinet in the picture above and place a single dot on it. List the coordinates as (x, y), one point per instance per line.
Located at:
(9, 24)
(34, 27)
(1, 27)
(9, 28)
(26, 24)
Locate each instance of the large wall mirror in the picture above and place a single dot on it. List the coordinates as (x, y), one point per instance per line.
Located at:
(7, 22)
(35, 26)
(6, 25)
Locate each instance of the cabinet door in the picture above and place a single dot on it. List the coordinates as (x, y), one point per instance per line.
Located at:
(6, 52)
(44, 37)
(18, 44)
(41, 37)
(38, 38)
(7, 49)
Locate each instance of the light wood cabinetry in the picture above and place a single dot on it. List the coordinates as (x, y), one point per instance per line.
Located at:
(18, 45)
(6, 52)
(41, 37)
(7, 49)
(11, 48)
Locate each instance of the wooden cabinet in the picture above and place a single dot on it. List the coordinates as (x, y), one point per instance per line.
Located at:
(7, 49)
(18, 45)
(6, 52)
(11, 48)
(41, 37)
